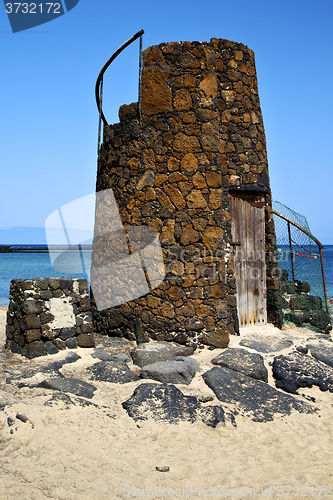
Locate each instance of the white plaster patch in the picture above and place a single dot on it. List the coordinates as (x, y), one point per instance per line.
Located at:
(76, 286)
(153, 346)
(62, 311)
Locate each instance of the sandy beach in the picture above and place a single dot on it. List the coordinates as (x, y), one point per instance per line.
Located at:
(98, 452)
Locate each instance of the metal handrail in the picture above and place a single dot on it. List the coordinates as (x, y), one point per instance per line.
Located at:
(105, 67)
(320, 245)
(299, 227)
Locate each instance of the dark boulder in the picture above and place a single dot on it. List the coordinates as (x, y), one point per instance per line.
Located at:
(70, 358)
(101, 354)
(151, 352)
(253, 398)
(266, 343)
(31, 378)
(299, 370)
(166, 403)
(71, 385)
(323, 352)
(114, 371)
(169, 372)
(122, 357)
(240, 360)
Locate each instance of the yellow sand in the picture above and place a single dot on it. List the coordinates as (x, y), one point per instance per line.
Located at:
(101, 453)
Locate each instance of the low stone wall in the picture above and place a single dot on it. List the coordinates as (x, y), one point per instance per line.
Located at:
(48, 314)
(303, 309)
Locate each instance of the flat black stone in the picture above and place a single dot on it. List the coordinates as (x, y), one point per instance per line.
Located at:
(151, 352)
(166, 403)
(323, 352)
(122, 357)
(59, 396)
(114, 371)
(26, 378)
(102, 355)
(67, 400)
(321, 336)
(266, 343)
(299, 370)
(70, 358)
(71, 385)
(240, 360)
(114, 342)
(187, 359)
(253, 398)
(169, 372)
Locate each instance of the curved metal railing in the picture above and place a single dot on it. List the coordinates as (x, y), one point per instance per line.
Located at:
(99, 82)
(318, 243)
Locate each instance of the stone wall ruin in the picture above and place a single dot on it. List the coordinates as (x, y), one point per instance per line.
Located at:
(46, 315)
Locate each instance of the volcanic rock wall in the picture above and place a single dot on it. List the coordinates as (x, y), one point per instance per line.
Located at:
(198, 138)
(46, 315)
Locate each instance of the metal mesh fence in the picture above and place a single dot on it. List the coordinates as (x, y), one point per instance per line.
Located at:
(298, 253)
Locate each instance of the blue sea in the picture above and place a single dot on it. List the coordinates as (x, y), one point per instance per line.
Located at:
(328, 267)
(29, 265)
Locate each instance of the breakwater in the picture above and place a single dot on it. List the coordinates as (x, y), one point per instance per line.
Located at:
(41, 248)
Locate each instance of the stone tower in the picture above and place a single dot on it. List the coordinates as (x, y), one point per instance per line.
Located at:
(192, 164)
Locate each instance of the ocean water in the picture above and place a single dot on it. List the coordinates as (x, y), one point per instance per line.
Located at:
(30, 265)
(328, 268)
(307, 266)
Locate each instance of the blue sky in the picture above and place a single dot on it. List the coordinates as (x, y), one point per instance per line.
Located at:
(49, 118)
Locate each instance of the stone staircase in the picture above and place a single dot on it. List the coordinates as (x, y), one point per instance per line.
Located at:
(302, 309)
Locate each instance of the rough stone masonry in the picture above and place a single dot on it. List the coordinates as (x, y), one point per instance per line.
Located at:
(46, 315)
(198, 138)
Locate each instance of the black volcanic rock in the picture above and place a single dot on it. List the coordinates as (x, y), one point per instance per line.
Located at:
(299, 370)
(240, 360)
(253, 398)
(151, 352)
(166, 403)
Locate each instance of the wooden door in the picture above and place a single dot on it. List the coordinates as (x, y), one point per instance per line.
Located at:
(248, 234)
